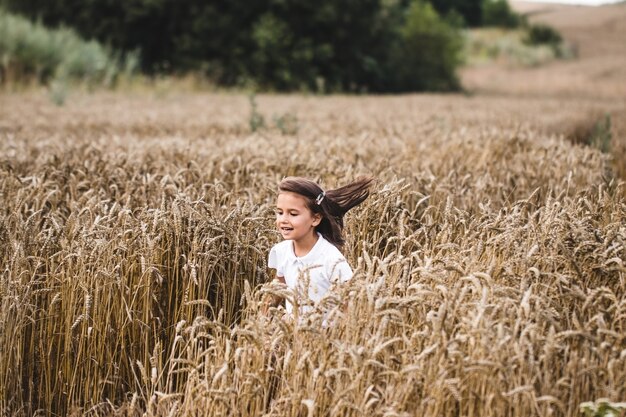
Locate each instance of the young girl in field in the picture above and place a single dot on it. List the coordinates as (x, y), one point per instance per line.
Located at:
(310, 220)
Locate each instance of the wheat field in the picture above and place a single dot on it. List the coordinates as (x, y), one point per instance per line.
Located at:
(490, 275)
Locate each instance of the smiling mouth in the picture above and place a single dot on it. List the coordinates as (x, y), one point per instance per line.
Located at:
(286, 229)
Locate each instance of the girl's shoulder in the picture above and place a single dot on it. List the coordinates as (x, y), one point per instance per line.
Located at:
(282, 247)
(330, 251)
(279, 254)
(335, 264)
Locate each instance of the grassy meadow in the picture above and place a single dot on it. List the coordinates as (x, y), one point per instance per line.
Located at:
(490, 275)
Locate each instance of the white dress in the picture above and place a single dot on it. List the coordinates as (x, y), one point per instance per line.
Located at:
(320, 268)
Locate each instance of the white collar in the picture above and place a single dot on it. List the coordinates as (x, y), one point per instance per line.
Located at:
(310, 254)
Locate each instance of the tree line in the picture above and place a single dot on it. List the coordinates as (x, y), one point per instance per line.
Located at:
(327, 45)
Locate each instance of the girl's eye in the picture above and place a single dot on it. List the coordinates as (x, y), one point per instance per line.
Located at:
(280, 213)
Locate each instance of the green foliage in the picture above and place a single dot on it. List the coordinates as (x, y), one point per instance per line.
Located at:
(286, 123)
(325, 46)
(329, 45)
(540, 34)
(58, 91)
(256, 120)
(480, 13)
(470, 10)
(602, 408)
(600, 135)
(32, 51)
(504, 46)
(273, 39)
(426, 53)
(498, 13)
(544, 35)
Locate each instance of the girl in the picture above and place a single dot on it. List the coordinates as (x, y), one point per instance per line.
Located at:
(310, 220)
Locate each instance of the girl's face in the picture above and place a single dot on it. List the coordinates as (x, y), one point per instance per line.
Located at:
(294, 220)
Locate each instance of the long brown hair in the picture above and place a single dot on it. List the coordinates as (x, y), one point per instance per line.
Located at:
(332, 205)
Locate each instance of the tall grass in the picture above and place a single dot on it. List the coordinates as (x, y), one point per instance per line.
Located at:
(490, 275)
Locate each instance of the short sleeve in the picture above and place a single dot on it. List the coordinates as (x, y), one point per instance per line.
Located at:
(272, 262)
(340, 271)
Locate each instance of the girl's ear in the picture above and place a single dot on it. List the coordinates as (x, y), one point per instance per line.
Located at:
(317, 219)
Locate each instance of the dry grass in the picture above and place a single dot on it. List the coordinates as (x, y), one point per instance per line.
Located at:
(597, 34)
(490, 276)
(597, 75)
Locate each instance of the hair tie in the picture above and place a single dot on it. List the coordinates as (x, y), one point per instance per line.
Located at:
(320, 198)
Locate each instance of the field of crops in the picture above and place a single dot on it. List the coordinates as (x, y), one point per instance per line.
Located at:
(490, 275)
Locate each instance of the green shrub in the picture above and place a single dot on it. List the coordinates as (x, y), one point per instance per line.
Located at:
(498, 13)
(273, 40)
(470, 10)
(286, 123)
(58, 91)
(256, 120)
(540, 34)
(600, 136)
(426, 53)
(30, 51)
(544, 35)
(506, 47)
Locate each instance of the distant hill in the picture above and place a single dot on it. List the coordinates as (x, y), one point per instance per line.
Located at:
(599, 71)
(577, 2)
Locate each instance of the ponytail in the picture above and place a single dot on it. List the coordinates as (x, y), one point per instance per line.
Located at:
(332, 205)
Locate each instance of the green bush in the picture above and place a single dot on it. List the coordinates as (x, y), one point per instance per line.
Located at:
(426, 53)
(470, 10)
(506, 47)
(498, 13)
(601, 134)
(30, 51)
(540, 34)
